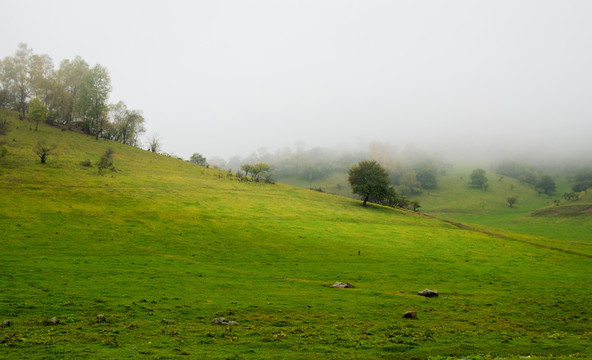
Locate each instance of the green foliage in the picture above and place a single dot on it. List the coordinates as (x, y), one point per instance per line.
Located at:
(91, 103)
(478, 179)
(512, 200)
(427, 177)
(37, 112)
(106, 161)
(369, 180)
(198, 159)
(546, 185)
(582, 180)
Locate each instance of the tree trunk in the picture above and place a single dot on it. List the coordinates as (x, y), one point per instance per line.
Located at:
(365, 200)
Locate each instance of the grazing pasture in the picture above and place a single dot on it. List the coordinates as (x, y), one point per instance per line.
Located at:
(137, 262)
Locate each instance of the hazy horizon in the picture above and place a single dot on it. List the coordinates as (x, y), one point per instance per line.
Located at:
(458, 78)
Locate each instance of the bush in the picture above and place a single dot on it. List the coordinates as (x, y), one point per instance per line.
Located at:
(106, 161)
(86, 163)
(4, 127)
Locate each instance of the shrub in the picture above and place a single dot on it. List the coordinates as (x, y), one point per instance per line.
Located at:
(86, 163)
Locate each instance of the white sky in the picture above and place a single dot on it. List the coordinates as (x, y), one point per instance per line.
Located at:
(228, 77)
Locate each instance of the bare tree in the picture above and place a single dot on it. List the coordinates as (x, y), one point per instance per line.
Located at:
(154, 143)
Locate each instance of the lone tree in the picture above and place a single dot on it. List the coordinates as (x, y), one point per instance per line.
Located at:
(512, 200)
(198, 159)
(369, 180)
(43, 150)
(478, 179)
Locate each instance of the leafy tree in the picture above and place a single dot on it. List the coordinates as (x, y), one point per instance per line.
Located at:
(415, 205)
(369, 180)
(260, 170)
(546, 185)
(246, 168)
(127, 124)
(41, 75)
(37, 111)
(43, 150)
(69, 76)
(91, 104)
(512, 200)
(409, 184)
(478, 179)
(198, 159)
(427, 177)
(15, 78)
(583, 180)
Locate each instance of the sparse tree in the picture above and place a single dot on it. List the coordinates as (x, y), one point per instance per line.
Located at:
(198, 159)
(154, 143)
(43, 150)
(37, 111)
(128, 125)
(68, 76)
(106, 161)
(369, 180)
(512, 200)
(478, 179)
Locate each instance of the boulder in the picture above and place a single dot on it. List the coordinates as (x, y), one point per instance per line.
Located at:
(428, 293)
(223, 321)
(410, 315)
(340, 285)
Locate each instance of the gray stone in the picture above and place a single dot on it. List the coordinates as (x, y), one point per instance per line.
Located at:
(340, 285)
(101, 318)
(6, 323)
(223, 321)
(410, 315)
(54, 320)
(167, 321)
(428, 293)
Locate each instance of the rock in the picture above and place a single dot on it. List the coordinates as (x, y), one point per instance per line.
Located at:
(6, 323)
(54, 321)
(428, 293)
(101, 318)
(340, 285)
(410, 315)
(223, 321)
(166, 321)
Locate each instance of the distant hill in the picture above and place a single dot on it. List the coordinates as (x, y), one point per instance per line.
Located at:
(138, 261)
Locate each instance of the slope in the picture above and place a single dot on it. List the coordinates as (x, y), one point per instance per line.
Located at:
(160, 247)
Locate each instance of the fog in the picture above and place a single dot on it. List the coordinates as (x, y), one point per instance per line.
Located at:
(463, 79)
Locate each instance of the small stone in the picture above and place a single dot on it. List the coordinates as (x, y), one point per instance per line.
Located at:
(54, 320)
(232, 323)
(340, 285)
(167, 321)
(428, 293)
(410, 315)
(101, 318)
(6, 323)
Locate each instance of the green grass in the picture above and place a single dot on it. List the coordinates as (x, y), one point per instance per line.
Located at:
(165, 239)
(454, 200)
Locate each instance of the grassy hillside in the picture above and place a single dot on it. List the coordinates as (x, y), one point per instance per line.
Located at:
(160, 247)
(455, 200)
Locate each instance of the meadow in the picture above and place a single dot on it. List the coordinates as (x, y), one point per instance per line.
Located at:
(160, 247)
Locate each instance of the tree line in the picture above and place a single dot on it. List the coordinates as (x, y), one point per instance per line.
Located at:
(74, 95)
